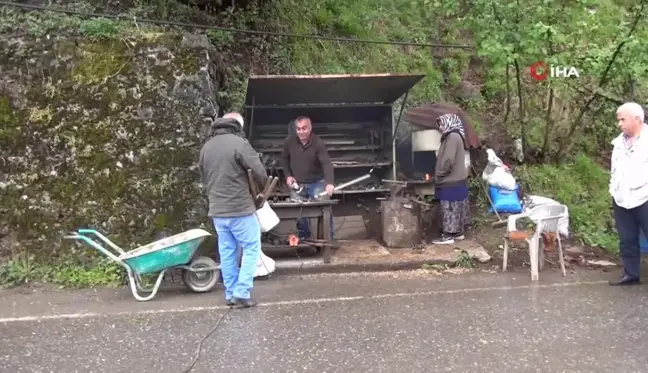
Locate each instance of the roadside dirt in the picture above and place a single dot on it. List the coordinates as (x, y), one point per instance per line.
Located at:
(575, 253)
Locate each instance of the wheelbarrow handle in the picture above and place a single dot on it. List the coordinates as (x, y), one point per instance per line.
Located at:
(91, 242)
(102, 238)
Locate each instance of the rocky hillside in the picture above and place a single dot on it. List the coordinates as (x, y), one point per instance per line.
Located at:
(102, 133)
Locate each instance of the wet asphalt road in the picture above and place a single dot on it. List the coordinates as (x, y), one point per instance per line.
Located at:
(405, 322)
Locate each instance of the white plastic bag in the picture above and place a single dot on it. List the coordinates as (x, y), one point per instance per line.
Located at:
(268, 219)
(532, 201)
(265, 266)
(497, 174)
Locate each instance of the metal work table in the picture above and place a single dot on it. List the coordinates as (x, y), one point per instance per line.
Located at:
(322, 210)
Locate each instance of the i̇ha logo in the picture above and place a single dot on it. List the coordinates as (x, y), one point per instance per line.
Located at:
(540, 71)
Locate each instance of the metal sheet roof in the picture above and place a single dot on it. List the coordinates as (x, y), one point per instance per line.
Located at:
(282, 90)
(425, 116)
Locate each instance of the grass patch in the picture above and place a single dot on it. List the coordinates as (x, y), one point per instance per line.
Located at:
(24, 269)
(465, 260)
(583, 186)
(398, 20)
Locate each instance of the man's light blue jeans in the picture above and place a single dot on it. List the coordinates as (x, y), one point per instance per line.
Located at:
(244, 232)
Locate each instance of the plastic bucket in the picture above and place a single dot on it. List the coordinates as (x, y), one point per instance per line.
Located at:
(268, 219)
(643, 243)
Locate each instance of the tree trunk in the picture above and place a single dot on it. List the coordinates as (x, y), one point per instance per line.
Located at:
(521, 111)
(548, 126)
(548, 122)
(508, 92)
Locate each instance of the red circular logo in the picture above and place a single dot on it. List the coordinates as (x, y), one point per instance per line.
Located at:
(539, 71)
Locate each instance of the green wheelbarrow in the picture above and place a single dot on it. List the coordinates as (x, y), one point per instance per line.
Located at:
(199, 274)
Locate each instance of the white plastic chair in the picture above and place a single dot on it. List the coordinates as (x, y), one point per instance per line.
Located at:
(546, 218)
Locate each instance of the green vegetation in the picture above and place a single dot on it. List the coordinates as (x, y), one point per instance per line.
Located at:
(582, 185)
(565, 125)
(559, 117)
(25, 268)
(465, 260)
(366, 19)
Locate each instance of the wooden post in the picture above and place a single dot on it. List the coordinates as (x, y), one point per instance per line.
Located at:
(327, 233)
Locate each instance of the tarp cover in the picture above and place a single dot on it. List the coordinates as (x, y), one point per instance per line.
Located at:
(282, 90)
(424, 118)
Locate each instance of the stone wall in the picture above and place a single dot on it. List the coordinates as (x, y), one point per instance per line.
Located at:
(103, 134)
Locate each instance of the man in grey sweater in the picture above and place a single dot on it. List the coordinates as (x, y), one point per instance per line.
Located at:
(224, 161)
(305, 161)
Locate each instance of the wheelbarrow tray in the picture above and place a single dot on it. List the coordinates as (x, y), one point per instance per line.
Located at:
(165, 253)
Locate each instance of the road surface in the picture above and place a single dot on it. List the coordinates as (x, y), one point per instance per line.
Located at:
(387, 322)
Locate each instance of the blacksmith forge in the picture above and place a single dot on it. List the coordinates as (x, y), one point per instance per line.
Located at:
(353, 114)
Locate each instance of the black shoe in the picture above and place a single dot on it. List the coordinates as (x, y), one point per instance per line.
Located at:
(444, 240)
(230, 302)
(247, 303)
(625, 280)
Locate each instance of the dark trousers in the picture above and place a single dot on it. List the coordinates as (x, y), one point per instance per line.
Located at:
(629, 222)
(303, 225)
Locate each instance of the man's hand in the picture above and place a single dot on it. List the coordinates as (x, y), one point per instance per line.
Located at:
(329, 189)
(290, 181)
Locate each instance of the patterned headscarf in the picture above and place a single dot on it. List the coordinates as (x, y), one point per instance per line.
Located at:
(449, 123)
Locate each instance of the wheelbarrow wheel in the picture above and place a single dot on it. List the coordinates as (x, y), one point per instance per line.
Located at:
(201, 282)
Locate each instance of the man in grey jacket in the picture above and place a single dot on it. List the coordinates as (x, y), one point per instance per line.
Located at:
(224, 161)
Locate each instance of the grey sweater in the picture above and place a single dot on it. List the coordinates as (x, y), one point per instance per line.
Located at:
(451, 162)
(224, 161)
(306, 163)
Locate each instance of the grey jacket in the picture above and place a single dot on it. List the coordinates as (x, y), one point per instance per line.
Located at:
(450, 167)
(224, 161)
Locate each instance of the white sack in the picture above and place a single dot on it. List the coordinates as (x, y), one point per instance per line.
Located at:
(265, 266)
(497, 174)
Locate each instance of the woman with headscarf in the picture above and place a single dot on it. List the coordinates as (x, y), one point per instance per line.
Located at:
(451, 178)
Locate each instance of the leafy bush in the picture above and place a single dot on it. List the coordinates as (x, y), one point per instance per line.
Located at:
(583, 186)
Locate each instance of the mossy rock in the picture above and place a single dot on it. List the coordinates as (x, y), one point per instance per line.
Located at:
(107, 136)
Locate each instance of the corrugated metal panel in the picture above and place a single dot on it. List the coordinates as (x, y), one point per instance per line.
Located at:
(424, 117)
(281, 90)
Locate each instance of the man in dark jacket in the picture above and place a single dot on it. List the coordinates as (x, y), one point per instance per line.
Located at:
(305, 161)
(224, 161)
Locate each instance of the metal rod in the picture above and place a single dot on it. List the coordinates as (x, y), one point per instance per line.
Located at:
(349, 183)
(394, 181)
(394, 130)
(312, 106)
(251, 120)
(499, 221)
(197, 270)
(400, 114)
